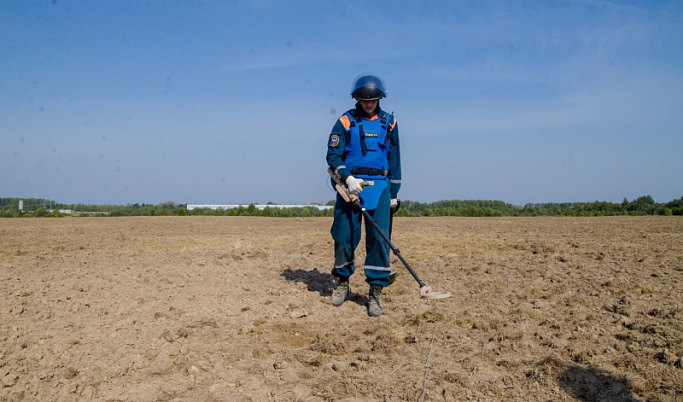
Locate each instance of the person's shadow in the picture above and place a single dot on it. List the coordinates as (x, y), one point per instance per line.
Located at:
(590, 384)
(320, 282)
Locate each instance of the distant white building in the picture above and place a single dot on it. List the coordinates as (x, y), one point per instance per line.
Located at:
(62, 211)
(190, 207)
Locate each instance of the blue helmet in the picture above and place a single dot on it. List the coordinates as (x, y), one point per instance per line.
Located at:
(368, 87)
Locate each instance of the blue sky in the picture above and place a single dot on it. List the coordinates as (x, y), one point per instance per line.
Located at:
(116, 102)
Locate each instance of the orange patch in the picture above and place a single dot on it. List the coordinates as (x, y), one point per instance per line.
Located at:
(345, 121)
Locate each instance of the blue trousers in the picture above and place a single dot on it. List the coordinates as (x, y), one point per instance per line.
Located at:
(346, 232)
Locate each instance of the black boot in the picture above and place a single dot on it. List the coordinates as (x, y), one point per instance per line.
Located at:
(374, 306)
(341, 292)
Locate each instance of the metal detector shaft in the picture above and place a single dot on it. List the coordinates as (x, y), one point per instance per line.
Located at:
(393, 248)
(425, 291)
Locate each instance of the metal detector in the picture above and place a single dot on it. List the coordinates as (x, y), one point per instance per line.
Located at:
(425, 291)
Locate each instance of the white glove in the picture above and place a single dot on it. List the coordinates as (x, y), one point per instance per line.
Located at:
(394, 203)
(354, 185)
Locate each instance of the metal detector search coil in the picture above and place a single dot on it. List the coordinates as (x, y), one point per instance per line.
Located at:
(426, 293)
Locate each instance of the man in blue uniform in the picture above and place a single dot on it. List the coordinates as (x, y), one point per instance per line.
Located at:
(364, 146)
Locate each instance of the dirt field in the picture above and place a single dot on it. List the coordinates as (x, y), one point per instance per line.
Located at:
(237, 309)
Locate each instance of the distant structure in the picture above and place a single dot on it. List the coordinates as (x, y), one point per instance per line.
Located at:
(190, 207)
(63, 211)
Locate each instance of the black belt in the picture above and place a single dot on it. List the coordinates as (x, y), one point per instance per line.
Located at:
(365, 171)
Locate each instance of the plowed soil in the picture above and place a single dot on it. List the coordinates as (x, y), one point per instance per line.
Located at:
(237, 309)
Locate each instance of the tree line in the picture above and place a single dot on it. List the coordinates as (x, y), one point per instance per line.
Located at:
(645, 205)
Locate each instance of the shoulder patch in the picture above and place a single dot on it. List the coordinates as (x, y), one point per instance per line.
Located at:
(334, 140)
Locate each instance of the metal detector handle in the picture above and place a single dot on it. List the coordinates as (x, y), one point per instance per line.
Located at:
(343, 190)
